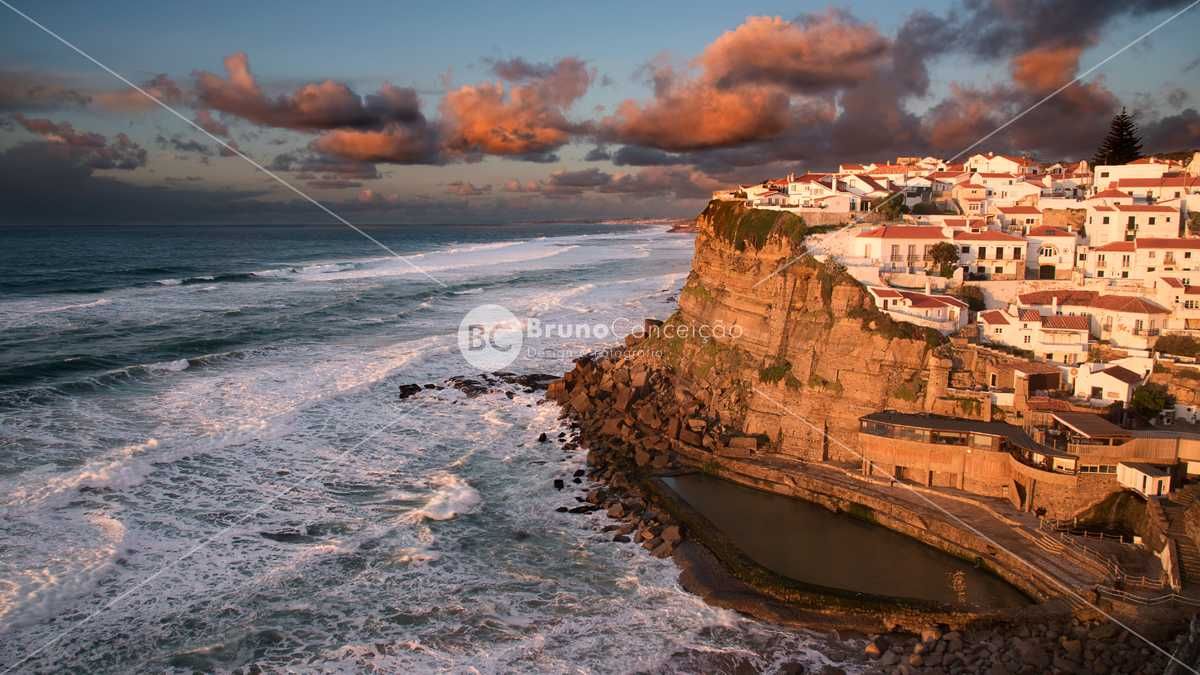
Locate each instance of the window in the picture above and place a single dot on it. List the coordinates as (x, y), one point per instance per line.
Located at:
(981, 253)
(1105, 221)
(1047, 251)
(1151, 269)
(1100, 273)
(1100, 258)
(1132, 222)
(999, 270)
(1104, 174)
(966, 250)
(1187, 255)
(1152, 253)
(999, 253)
(1125, 260)
(1082, 257)
(1016, 253)
(997, 331)
(1151, 220)
(1027, 339)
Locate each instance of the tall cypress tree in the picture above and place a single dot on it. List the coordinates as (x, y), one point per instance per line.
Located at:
(1122, 144)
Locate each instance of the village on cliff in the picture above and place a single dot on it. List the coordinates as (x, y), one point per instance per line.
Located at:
(1078, 285)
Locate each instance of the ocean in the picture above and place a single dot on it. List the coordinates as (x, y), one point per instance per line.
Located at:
(205, 462)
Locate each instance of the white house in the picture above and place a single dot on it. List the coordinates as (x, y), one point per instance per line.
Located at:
(1167, 187)
(1018, 219)
(1127, 321)
(1182, 298)
(944, 313)
(1107, 175)
(899, 248)
(991, 254)
(1052, 253)
(1103, 383)
(1148, 480)
(1062, 339)
(994, 163)
(1125, 222)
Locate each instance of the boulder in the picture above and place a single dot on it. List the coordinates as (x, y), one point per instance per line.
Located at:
(617, 510)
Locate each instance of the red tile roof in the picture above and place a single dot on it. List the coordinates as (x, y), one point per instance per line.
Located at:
(993, 316)
(989, 235)
(1149, 208)
(1129, 303)
(1065, 297)
(884, 292)
(1030, 210)
(1118, 246)
(1061, 322)
(1050, 231)
(1165, 181)
(1172, 282)
(1111, 193)
(1123, 374)
(1166, 242)
(1029, 315)
(905, 232)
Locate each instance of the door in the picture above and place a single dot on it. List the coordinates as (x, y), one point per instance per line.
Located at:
(1046, 272)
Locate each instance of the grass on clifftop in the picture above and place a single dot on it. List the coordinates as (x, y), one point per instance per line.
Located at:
(742, 227)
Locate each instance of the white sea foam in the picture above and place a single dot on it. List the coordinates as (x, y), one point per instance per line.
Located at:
(452, 497)
(82, 305)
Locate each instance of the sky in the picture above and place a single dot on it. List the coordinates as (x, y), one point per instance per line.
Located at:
(498, 112)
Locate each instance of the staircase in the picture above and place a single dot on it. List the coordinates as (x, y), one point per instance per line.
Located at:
(1189, 553)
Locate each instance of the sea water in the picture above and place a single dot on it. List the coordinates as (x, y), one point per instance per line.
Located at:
(204, 462)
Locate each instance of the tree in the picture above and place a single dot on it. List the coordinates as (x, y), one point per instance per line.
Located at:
(1149, 400)
(1122, 144)
(945, 256)
(973, 296)
(893, 206)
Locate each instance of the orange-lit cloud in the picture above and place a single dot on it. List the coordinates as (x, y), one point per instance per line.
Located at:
(1045, 69)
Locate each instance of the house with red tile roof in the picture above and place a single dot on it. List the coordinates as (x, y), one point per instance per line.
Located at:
(899, 248)
(1053, 252)
(991, 254)
(944, 313)
(1124, 222)
(1018, 219)
(1061, 339)
(1106, 382)
(1127, 321)
(998, 163)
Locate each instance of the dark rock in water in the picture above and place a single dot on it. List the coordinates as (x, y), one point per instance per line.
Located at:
(621, 538)
(535, 381)
(577, 481)
(520, 535)
(469, 386)
(558, 484)
(433, 386)
(562, 509)
(407, 390)
(288, 537)
(510, 395)
(542, 437)
(579, 472)
(586, 508)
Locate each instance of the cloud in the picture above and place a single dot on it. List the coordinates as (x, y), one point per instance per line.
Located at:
(123, 100)
(598, 154)
(1176, 132)
(88, 149)
(1044, 69)
(29, 92)
(817, 52)
(329, 168)
(315, 106)
(179, 144)
(526, 120)
(632, 155)
(395, 144)
(466, 189)
(204, 118)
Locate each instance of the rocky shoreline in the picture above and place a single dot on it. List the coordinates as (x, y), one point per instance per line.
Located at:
(628, 450)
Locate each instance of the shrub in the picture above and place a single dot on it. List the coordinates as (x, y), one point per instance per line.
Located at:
(742, 226)
(972, 295)
(1179, 345)
(776, 372)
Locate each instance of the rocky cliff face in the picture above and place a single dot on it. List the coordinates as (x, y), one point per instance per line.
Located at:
(767, 344)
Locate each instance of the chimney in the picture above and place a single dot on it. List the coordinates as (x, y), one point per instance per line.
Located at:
(835, 182)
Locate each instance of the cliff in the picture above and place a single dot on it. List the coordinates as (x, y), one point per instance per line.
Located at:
(769, 341)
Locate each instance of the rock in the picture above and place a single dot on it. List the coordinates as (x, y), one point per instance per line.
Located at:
(621, 538)
(542, 438)
(696, 424)
(616, 510)
(1074, 648)
(562, 509)
(672, 534)
(916, 660)
(931, 635)
(407, 390)
(579, 473)
(558, 484)
(873, 649)
(889, 659)
(641, 457)
(662, 550)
